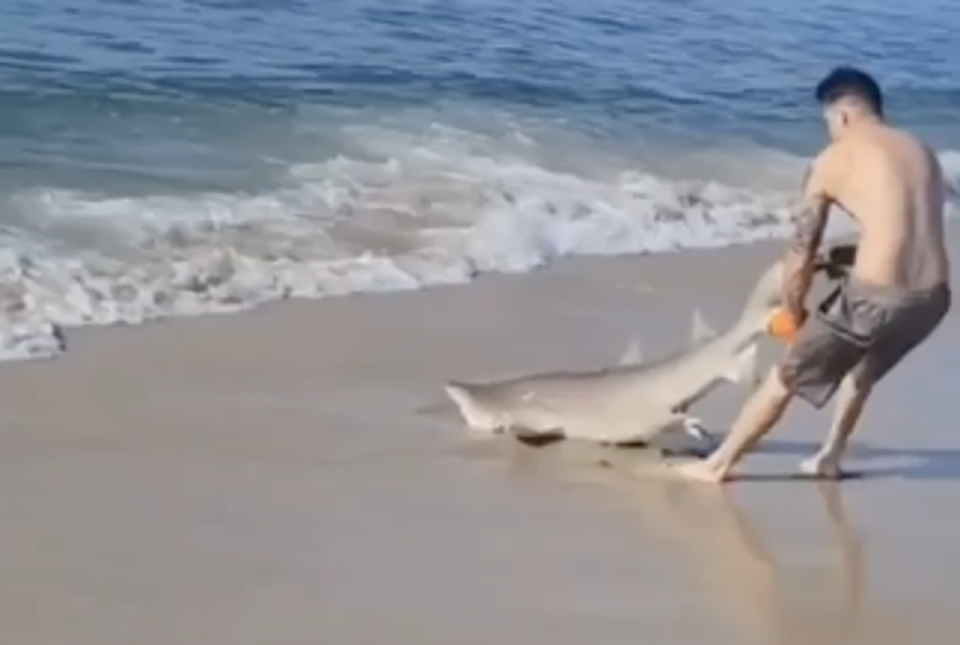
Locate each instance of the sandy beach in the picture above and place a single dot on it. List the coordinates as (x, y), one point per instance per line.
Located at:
(272, 231)
(292, 476)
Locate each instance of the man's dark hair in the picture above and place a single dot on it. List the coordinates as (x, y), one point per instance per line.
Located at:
(850, 82)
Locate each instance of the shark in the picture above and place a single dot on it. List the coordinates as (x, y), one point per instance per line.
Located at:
(632, 402)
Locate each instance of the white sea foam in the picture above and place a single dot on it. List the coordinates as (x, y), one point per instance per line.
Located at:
(402, 211)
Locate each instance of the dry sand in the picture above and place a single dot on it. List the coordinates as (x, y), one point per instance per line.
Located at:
(271, 479)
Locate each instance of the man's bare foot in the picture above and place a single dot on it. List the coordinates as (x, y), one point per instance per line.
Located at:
(699, 470)
(822, 467)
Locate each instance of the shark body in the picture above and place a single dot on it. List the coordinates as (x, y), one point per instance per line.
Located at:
(634, 401)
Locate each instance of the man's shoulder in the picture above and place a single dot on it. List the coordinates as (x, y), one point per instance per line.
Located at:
(903, 148)
(828, 168)
(904, 133)
(834, 154)
(889, 140)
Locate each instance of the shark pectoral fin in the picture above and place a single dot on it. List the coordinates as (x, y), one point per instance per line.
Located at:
(458, 392)
(632, 355)
(702, 331)
(476, 414)
(744, 369)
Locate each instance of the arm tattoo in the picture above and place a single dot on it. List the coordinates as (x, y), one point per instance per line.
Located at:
(810, 219)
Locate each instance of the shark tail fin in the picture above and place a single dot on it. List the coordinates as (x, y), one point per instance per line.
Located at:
(744, 369)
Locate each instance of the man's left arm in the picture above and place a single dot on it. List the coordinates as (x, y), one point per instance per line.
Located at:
(810, 219)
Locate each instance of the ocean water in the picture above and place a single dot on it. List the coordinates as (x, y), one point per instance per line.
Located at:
(197, 156)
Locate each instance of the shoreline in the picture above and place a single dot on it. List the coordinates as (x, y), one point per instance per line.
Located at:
(270, 477)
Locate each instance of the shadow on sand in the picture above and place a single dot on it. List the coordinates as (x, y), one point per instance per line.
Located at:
(942, 464)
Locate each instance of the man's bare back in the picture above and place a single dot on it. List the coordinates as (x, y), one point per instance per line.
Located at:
(892, 184)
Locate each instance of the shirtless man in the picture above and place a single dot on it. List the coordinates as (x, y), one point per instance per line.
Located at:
(898, 290)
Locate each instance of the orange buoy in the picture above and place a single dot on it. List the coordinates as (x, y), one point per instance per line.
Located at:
(782, 325)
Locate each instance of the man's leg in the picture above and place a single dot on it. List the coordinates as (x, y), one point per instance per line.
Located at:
(907, 328)
(851, 399)
(813, 368)
(761, 412)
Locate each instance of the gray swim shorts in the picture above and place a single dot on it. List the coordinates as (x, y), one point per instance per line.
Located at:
(859, 322)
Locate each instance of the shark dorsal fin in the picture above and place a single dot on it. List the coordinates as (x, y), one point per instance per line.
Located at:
(701, 330)
(632, 355)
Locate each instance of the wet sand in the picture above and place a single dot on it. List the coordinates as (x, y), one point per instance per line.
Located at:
(291, 476)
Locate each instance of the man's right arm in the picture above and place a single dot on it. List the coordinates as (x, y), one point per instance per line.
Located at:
(810, 220)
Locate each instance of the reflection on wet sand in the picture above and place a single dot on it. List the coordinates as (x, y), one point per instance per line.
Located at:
(766, 600)
(725, 551)
(717, 544)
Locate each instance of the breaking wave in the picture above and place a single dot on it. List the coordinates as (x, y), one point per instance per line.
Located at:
(400, 211)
